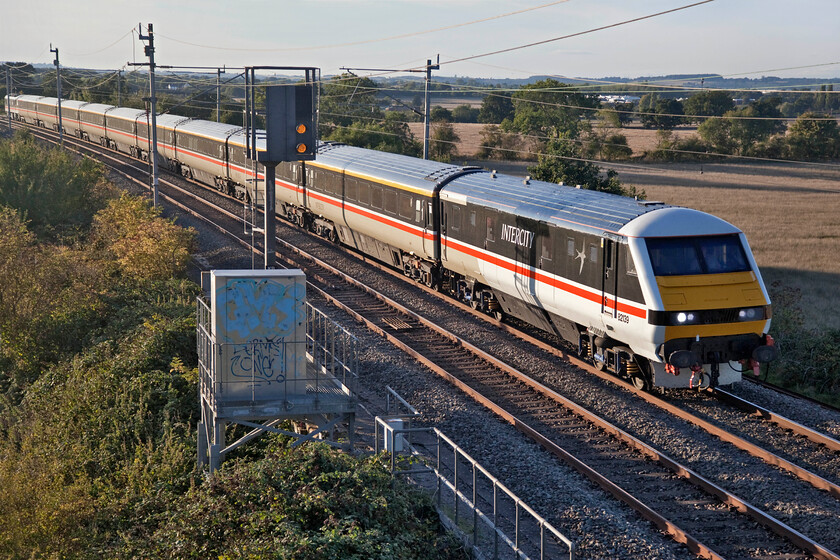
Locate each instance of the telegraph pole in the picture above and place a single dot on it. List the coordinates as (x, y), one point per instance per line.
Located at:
(119, 88)
(150, 52)
(58, 91)
(219, 72)
(9, 94)
(426, 119)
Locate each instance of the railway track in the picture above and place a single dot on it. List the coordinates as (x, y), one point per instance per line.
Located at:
(688, 506)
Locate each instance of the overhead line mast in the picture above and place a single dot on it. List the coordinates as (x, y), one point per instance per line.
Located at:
(58, 94)
(150, 52)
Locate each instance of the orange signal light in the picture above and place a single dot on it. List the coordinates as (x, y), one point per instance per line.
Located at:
(300, 129)
(301, 148)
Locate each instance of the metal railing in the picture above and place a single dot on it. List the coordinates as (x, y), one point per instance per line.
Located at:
(490, 519)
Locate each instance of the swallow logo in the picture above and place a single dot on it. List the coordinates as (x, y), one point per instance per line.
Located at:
(582, 256)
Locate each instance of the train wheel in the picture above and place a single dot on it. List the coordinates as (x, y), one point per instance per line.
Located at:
(639, 372)
(498, 314)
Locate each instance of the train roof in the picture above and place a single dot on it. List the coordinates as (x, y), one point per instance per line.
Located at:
(166, 120)
(98, 108)
(404, 172)
(238, 138)
(675, 221)
(30, 98)
(209, 129)
(51, 101)
(569, 207)
(126, 113)
(72, 104)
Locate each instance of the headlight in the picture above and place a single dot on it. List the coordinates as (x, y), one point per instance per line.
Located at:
(684, 318)
(750, 314)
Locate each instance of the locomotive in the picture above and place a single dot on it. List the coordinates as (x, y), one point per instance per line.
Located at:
(661, 295)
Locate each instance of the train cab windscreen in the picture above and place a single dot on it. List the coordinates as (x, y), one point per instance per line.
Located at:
(683, 256)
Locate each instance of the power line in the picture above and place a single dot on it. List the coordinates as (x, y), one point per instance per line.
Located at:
(578, 34)
(369, 41)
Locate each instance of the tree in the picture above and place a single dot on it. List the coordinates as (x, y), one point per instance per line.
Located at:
(465, 114)
(438, 114)
(757, 122)
(608, 118)
(647, 108)
(717, 133)
(345, 99)
(708, 103)
(549, 107)
(561, 162)
(624, 112)
(388, 135)
(667, 113)
(814, 136)
(498, 144)
(495, 108)
(443, 143)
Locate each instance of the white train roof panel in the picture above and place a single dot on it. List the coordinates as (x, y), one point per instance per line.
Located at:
(238, 138)
(209, 129)
(72, 104)
(30, 98)
(416, 174)
(166, 121)
(98, 108)
(568, 207)
(51, 101)
(126, 113)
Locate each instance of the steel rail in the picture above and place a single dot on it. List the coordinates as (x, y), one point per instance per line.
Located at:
(778, 419)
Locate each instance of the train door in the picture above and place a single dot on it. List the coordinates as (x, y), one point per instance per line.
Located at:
(488, 228)
(609, 277)
(523, 239)
(424, 209)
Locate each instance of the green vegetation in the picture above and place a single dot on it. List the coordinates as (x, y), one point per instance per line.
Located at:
(98, 404)
(808, 360)
(350, 113)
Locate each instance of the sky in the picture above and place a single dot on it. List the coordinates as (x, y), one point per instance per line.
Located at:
(754, 38)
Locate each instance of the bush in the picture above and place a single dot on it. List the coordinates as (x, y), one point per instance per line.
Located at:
(56, 192)
(808, 361)
(308, 502)
(146, 246)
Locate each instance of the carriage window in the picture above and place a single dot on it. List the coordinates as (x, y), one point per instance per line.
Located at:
(376, 196)
(405, 206)
(350, 188)
(546, 244)
(418, 211)
(364, 193)
(593, 254)
(491, 228)
(629, 263)
(391, 201)
(472, 218)
(456, 218)
(570, 247)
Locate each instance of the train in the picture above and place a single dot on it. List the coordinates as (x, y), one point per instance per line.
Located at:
(661, 295)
